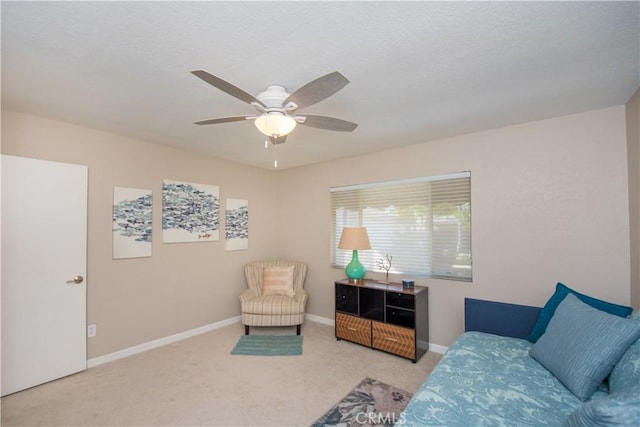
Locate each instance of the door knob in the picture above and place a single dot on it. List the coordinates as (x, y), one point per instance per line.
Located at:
(77, 280)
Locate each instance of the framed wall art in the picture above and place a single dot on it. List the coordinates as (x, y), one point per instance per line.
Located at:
(237, 224)
(132, 222)
(190, 212)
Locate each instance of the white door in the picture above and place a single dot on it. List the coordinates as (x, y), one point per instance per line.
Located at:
(44, 247)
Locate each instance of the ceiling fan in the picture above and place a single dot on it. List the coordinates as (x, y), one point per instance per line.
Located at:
(278, 109)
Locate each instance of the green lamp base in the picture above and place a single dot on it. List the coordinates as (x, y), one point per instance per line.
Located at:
(354, 270)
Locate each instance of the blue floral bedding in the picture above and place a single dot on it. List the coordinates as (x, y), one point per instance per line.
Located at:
(489, 380)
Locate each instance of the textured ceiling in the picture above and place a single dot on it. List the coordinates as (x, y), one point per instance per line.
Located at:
(418, 70)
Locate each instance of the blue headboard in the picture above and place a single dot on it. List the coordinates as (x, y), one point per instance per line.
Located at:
(499, 318)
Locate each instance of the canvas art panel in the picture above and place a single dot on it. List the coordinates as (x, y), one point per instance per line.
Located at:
(190, 212)
(132, 222)
(237, 224)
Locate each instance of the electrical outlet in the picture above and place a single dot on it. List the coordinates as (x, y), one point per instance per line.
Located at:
(92, 330)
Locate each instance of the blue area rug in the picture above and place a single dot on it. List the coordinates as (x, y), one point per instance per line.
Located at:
(269, 345)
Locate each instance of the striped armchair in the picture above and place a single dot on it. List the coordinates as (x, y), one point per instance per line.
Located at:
(264, 306)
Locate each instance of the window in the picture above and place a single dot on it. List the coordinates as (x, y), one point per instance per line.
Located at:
(424, 223)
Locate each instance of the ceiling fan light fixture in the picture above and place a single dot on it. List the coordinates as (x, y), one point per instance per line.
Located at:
(275, 124)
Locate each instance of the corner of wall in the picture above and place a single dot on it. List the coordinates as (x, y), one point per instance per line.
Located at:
(632, 113)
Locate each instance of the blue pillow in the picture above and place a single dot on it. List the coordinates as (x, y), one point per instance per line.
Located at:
(626, 373)
(562, 291)
(582, 344)
(618, 409)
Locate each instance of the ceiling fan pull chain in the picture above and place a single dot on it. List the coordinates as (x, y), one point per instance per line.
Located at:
(275, 151)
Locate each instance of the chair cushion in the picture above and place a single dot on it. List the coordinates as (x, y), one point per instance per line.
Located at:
(561, 292)
(273, 305)
(277, 280)
(582, 344)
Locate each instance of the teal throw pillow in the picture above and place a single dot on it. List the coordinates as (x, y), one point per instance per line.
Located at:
(582, 344)
(618, 409)
(562, 291)
(626, 373)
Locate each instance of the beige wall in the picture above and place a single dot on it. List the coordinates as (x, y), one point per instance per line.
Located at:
(549, 204)
(182, 286)
(633, 153)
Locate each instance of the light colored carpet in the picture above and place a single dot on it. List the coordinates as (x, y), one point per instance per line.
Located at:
(197, 382)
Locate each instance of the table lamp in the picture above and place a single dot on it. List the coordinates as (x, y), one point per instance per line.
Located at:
(354, 238)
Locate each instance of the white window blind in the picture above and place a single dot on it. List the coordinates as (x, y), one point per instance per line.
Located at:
(424, 223)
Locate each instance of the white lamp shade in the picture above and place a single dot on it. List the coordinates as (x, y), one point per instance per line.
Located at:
(272, 124)
(354, 238)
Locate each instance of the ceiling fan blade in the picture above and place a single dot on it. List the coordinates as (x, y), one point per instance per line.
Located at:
(317, 90)
(223, 120)
(226, 87)
(328, 123)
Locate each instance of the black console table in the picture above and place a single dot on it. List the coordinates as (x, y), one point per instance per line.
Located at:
(385, 317)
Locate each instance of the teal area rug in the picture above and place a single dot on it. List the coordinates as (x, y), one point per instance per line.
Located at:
(269, 345)
(371, 403)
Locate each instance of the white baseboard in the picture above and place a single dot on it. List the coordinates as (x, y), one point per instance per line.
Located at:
(160, 342)
(320, 319)
(201, 330)
(438, 348)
